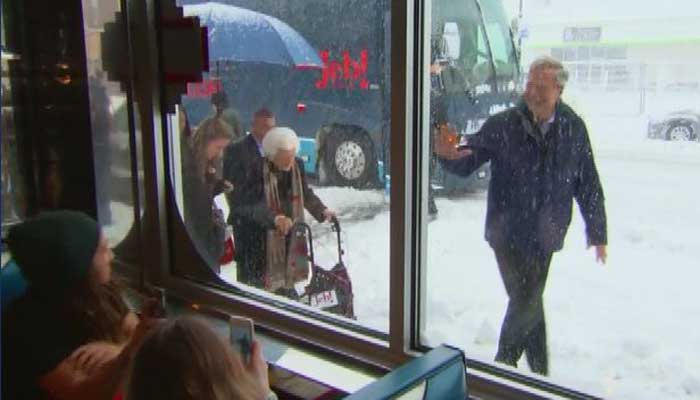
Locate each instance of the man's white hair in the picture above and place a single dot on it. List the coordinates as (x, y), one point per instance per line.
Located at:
(562, 75)
(279, 138)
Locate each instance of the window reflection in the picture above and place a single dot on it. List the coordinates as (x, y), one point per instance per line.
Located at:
(112, 143)
(14, 202)
(202, 180)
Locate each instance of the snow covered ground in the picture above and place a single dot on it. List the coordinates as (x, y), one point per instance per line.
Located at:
(624, 330)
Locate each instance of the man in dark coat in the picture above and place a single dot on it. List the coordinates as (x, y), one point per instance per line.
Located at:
(541, 159)
(239, 159)
(241, 154)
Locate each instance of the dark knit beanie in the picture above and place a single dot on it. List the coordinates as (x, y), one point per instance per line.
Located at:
(54, 250)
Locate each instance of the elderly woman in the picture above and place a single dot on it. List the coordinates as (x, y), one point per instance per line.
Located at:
(272, 198)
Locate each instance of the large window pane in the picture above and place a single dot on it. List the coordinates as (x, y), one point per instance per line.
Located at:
(624, 329)
(281, 64)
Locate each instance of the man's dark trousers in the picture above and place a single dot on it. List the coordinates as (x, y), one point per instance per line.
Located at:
(524, 275)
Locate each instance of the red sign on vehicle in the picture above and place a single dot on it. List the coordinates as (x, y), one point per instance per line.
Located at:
(346, 74)
(205, 88)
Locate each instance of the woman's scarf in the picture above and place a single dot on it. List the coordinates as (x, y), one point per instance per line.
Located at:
(285, 268)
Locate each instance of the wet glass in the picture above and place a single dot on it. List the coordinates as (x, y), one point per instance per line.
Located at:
(322, 69)
(623, 329)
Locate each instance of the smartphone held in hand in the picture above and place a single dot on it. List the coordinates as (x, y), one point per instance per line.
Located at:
(154, 305)
(241, 335)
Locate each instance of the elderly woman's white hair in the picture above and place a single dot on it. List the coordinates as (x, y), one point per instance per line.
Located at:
(279, 138)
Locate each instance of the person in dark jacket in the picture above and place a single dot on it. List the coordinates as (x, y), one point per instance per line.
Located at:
(541, 160)
(239, 159)
(201, 183)
(70, 335)
(273, 198)
(241, 154)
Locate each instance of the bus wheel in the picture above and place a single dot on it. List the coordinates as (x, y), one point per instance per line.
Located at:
(350, 159)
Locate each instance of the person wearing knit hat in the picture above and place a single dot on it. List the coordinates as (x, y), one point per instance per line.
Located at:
(72, 317)
(54, 251)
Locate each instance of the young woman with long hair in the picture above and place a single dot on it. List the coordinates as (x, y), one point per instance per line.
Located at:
(184, 359)
(203, 182)
(70, 335)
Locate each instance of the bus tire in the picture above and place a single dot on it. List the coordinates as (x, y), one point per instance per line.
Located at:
(349, 158)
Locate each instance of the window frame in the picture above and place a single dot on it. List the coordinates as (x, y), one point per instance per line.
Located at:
(408, 209)
(159, 224)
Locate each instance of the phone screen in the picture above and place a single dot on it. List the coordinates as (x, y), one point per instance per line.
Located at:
(241, 335)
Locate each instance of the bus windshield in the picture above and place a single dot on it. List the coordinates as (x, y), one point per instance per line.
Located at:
(500, 40)
(468, 42)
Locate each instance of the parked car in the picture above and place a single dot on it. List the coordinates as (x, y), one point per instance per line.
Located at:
(679, 125)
